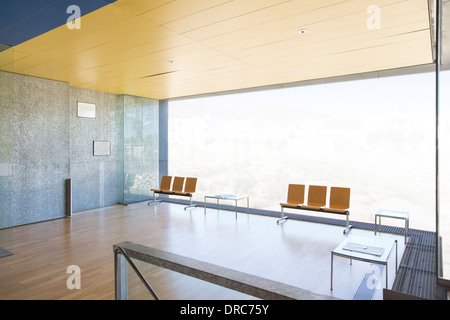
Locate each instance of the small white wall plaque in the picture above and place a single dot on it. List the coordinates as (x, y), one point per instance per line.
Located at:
(86, 110)
(102, 148)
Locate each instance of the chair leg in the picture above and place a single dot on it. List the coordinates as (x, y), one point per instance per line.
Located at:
(283, 217)
(348, 227)
(190, 204)
(154, 199)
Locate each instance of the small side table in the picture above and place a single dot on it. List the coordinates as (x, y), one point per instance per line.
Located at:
(234, 197)
(367, 249)
(394, 215)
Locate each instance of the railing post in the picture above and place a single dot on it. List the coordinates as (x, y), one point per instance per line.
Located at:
(120, 276)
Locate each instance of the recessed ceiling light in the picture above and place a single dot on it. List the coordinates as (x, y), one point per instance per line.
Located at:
(303, 31)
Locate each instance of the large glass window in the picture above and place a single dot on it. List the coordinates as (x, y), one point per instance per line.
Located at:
(444, 145)
(375, 136)
(444, 173)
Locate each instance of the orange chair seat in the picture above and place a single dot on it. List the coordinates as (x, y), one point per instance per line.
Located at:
(292, 204)
(310, 207)
(327, 209)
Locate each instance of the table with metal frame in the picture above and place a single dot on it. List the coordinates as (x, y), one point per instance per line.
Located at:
(402, 215)
(373, 249)
(224, 196)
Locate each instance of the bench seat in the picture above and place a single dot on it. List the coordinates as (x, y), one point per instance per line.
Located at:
(181, 187)
(339, 202)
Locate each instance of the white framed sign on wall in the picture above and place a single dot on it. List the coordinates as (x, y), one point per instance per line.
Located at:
(86, 110)
(102, 148)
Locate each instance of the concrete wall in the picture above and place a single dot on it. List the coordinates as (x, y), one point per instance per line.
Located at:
(96, 180)
(40, 149)
(6, 147)
(43, 143)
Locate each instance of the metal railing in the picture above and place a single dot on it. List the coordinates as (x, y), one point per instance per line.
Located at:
(119, 280)
(228, 278)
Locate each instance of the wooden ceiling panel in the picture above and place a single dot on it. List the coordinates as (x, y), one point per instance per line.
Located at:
(319, 46)
(138, 7)
(215, 45)
(369, 59)
(225, 12)
(261, 36)
(179, 9)
(296, 68)
(256, 23)
(340, 32)
(92, 22)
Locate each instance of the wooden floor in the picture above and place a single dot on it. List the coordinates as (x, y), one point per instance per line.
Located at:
(295, 252)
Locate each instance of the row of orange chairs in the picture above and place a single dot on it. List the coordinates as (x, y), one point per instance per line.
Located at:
(181, 186)
(317, 196)
(339, 201)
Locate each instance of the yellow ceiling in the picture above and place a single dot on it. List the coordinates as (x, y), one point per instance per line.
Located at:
(219, 45)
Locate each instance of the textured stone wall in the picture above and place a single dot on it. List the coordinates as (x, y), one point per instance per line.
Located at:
(41, 135)
(6, 145)
(43, 143)
(97, 181)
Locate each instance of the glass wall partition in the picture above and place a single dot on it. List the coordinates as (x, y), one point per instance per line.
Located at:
(140, 147)
(6, 150)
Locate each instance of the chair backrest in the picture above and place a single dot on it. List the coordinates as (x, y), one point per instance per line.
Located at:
(178, 183)
(296, 193)
(191, 184)
(166, 182)
(317, 196)
(339, 198)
